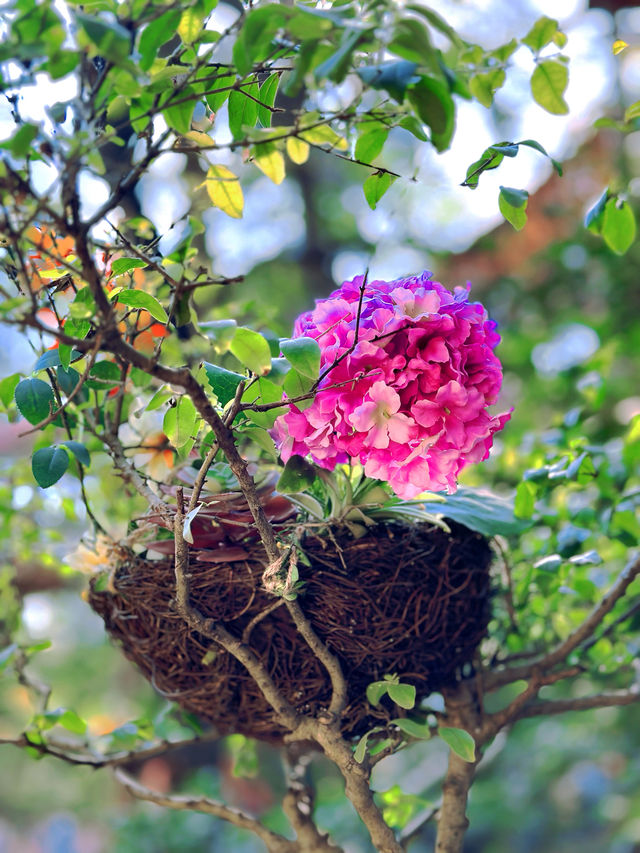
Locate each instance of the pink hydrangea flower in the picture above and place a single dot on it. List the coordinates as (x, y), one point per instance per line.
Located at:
(409, 372)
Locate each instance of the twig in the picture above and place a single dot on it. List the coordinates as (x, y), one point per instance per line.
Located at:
(583, 632)
(284, 712)
(85, 373)
(582, 703)
(298, 803)
(274, 842)
(70, 755)
(327, 659)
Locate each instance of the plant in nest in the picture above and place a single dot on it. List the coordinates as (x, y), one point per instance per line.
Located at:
(385, 399)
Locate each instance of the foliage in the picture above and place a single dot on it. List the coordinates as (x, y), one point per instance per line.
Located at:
(130, 375)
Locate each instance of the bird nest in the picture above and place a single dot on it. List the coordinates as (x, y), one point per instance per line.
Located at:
(406, 599)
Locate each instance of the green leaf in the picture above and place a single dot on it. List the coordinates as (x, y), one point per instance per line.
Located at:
(434, 105)
(460, 742)
(219, 332)
(223, 382)
(376, 690)
(531, 143)
(48, 465)
(618, 226)
(51, 358)
(67, 378)
(215, 99)
(548, 85)
(251, 350)
(111, 40)
(79, 451)
(403, 695)
(514, 213)
(144, 301)
(77, 328)
(70, 721)
(122, 265)
(338, 64)
(83, 306)
(295, 385)
(541, 34)
(298, 475)
(303, 354)
(376, 186)
(361, 748)
(516, 198)
(243, 111)
(159, 399)
(437, 22)
(20, 144)
(524, 503)
(178, 116)
(8, 388)
(412, 124)
(422, 731)
(479, 510)
(265, 391)
(180, 422)
(103, 376)
(34, 399)
(393, 77)
(484, 86)
(156, 33)
(267, 97)
(371, 143)
(411, 41)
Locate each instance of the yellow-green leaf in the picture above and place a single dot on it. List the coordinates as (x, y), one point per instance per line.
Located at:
(270, 161)
(630, 113)
(203, 140)
(548, 84)
(251, 350)
(189, 26)
(618, 46)
(324, 135)
(225, 191)
(297, 150)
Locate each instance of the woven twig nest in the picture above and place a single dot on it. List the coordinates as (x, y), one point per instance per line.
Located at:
(406, 599)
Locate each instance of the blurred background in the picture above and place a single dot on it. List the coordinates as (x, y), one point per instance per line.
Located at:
(569, 315)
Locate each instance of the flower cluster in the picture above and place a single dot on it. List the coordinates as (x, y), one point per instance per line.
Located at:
(407, 373)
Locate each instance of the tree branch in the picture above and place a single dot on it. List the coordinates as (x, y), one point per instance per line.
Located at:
(327, 659)
(298, 803)
(452, 819)
(508, 675)
(274, 842)
(582, 703)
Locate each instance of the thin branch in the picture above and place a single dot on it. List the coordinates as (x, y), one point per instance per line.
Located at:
(75, 390)
(70, 755)
(284, 712)
(298, 803)
(582, 703)
(327, 659)
(274, 842)
(583, 632)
